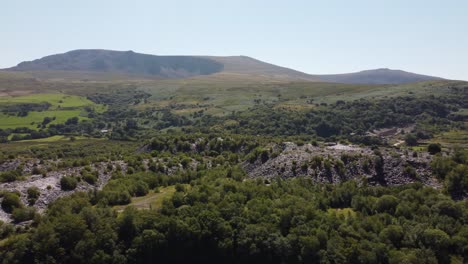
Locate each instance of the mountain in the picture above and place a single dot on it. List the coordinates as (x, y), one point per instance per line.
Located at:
(89, 62)
(123, 62)
(93, 63)
(378, 76)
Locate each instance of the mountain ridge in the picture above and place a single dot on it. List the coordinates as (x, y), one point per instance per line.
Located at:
(180, 66)
(124, 62)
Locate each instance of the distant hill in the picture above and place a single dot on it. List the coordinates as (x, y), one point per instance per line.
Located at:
(123, 62)
(378, 76)
(251, 66)
(102, 64)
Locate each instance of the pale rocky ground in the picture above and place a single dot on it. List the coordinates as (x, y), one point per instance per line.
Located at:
(49, 186)
(289, 159)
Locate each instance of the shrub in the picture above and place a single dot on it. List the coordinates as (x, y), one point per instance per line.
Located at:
(179, 188)
(140, 188)
(411, 140)
(116, 197)
(23, 214)
(434, 148)
(11, 201)
(33, 195)
(386, 203)
(410, 171)
(36, 171)
(9, 176)
(90, 178)
(68, 183)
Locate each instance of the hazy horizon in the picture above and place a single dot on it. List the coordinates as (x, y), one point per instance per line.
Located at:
(324, 37)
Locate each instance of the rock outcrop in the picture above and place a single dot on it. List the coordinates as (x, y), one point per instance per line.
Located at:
(336, 163)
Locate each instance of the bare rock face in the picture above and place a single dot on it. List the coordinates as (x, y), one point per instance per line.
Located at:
(337, 163)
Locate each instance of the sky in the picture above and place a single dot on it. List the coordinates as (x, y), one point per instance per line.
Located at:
(313, 36)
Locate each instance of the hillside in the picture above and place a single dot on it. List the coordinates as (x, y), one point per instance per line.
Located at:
(106, 64)
(377, 76)
(251, 66)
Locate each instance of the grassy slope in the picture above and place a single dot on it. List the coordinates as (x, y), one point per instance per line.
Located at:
(220, 94)
(153, 200)
(62, 108)
(57, 138)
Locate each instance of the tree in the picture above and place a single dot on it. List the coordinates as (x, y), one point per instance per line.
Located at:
(46, 121)
(434, 148)
(386, 203)
(72, 121)
(437, 240)
(392, 233)
(131, 124)
(411, 140)
(457, 181)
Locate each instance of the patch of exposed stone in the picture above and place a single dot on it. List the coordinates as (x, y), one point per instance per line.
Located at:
(49, 185)
(10, 165)
(337, 163)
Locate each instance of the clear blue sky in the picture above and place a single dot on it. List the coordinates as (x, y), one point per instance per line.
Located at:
(327, 36)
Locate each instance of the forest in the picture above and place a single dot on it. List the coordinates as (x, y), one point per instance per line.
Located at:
(221, 216)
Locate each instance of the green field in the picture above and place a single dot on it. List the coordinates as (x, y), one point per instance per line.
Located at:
(463, 112)
(454, 138)
(62, 108)
(56, 139)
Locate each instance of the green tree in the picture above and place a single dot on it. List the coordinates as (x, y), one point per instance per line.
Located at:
(411, 140)
(434, 148)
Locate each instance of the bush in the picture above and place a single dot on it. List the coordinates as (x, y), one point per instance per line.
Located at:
(386, 203)
(179, 188)
(410, 171)
(90, 178)
(9, 176)
(33, 195)
(23, 214)
(36, 171)
(116, 197)
(68, 183)
(434, 148)
(11, 201)
(140, 189)
(411, 140)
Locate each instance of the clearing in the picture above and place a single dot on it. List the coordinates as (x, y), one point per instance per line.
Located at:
(153, 200)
